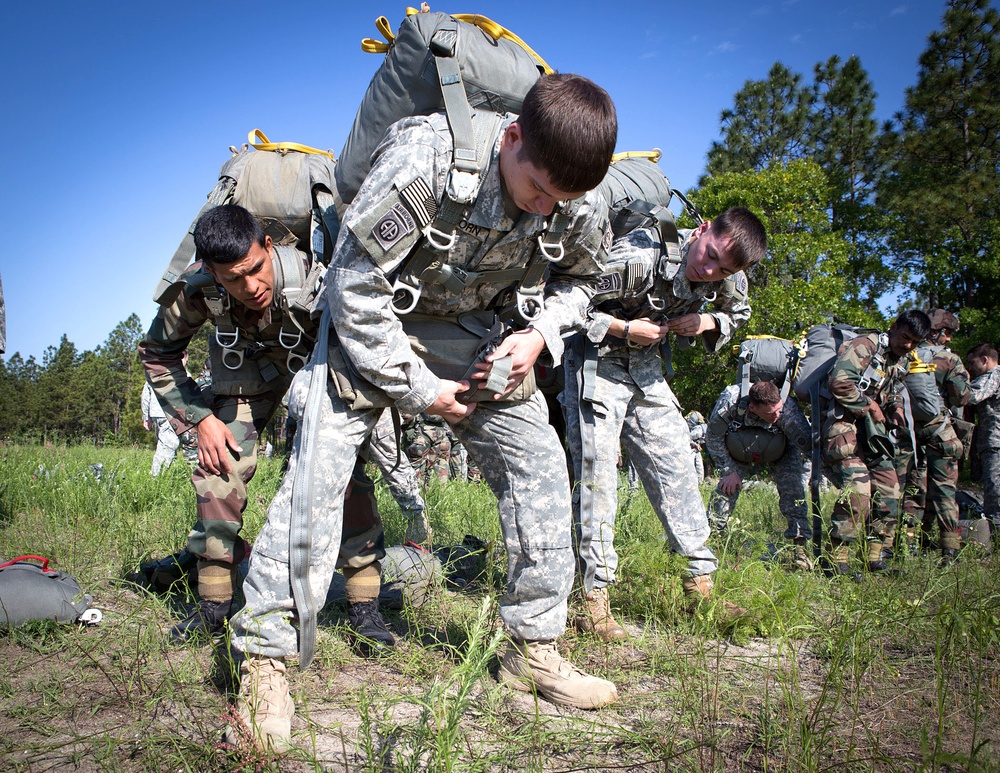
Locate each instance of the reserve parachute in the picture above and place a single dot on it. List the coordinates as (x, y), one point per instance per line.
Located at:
(926, 401)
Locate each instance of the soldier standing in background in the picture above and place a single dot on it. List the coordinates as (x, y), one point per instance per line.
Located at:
(153, 418)
(984, 367)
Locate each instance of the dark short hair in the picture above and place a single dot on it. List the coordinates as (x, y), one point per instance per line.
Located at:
(225, 234)
(916, 320)
(748, 239)
(570, 128)
(764, 393)
(989, 351)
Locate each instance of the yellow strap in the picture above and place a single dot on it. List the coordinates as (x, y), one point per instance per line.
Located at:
(653, 155)
(919, 366)
(263, 143)
(488, 26)
(372, 46)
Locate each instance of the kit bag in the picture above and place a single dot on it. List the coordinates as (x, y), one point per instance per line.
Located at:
(31, 592)
(823, 344)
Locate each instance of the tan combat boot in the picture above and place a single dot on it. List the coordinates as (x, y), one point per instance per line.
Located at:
(264, 708)
(800, 556)
(699, 590)
(538, 666)
(597, 617)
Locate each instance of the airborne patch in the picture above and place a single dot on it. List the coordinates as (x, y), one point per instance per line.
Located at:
(741, 282)
(609, 283)
(393, 226)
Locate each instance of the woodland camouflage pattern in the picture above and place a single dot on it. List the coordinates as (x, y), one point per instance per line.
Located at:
(512, 442)
(865, 481)
(790, 473)
(634, 408)
(932, 486)
(428, 445)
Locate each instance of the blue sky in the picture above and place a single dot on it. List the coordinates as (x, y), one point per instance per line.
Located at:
(120, 114)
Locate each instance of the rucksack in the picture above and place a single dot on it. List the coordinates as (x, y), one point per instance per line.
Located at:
(437, 61)
(31, 592)
(925, 400)
(767, 358)
(287, 186)
(823, 345)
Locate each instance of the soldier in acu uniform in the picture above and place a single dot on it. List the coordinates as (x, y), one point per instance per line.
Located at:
(559, 148)
(864, 383)
(241, 284)
(985, 368)
(616, 391)
(766, 431)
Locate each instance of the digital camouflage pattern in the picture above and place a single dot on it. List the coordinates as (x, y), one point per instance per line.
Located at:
(985, 396)
(634, 407)
(867, 481)
(929, 489)
(790, 473)
(167, 441)
(511, 441)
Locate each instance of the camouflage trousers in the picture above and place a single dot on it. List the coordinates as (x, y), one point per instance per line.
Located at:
(223, 498)
(516, 450)
(648, 424)
(428, 447)
(929, 493)
(990, 461)
(868, 506)
(791, 477)
(397, 472)
(167, 444)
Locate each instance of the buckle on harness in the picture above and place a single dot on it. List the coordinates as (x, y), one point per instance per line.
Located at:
(656, 304)
(552, 257)
(232, 356)
(439, 240)
(462, 187)
(404, 297)
(227, 340)
(285, 336)
(295, 362)
(529, 305)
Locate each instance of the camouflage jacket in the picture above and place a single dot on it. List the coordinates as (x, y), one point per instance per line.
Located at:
(380, 232)
(643, 251)
(985, 395)
(265, 367)
(848, 373)
(792, 422)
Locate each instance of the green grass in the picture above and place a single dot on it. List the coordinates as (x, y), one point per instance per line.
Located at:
(818, 675)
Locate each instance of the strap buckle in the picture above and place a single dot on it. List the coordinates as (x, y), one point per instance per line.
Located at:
(529, 304)
(558, 251)
(295, 362)
(404, 296)
(289, 339)
(227, 340)
(439, 240)
(232, 358)
(462, 186)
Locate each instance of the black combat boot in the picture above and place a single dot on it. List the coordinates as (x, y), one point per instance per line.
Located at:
(207, 620)
(948, 557)
(878, 560)
(372, 637)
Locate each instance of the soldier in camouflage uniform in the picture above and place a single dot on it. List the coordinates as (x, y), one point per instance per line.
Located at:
(930, 486)
(855, 443)
(985, 368)
(401, 478)
(155, 419)
(428, 446)
(697, 430)
(735, 428)
(241, 275)
(626, 397)
(506, 432)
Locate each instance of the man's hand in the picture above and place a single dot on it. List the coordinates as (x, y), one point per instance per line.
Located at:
(523, 348)
(644, 331)
(215, 442)
(731, 484)
(691, 324)
(447, 405)
(147, 424)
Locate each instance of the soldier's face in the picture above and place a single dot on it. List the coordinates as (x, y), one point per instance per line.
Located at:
(251, 279)
(529, 187)
(902, 340)
(708, 258)
(942, 336)
(766, 413)
(978, 366)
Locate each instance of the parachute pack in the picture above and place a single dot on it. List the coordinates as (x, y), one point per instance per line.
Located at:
(925, 400)
(768, 358)
(31, 592)
(823, 344)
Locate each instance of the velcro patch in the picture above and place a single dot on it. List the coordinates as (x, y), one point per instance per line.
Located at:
(393, 226)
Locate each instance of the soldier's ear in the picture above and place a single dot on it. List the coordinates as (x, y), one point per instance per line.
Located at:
(267, 242)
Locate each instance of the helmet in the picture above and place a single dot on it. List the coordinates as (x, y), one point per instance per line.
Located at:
(941, 319)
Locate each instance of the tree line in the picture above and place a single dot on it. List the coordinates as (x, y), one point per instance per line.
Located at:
(854, 210)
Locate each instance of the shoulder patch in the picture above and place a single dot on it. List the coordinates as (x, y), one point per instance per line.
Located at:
(387, 230)
(393, 226)
(609, 283)
(740, 280)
